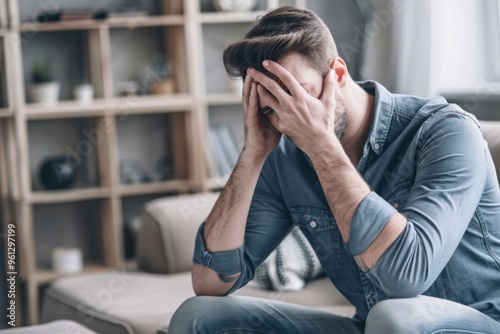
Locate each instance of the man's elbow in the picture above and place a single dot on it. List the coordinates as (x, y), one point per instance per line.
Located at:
(201, 289)
(206, 282)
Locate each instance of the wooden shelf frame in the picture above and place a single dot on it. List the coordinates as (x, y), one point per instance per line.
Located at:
(121, 22)
(44, 276)
(111, 106)
(70, 195)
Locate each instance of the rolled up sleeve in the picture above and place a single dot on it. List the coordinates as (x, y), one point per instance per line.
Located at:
(223, 262)
(373, 209)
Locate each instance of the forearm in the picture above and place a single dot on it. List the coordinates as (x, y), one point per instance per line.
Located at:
(225, 226)
(345, 189)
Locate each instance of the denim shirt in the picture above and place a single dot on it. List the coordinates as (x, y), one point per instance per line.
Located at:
(424, 158)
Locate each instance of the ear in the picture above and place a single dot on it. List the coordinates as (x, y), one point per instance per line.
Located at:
(340, 69)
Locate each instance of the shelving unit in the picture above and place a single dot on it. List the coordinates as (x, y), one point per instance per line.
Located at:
(178, 28)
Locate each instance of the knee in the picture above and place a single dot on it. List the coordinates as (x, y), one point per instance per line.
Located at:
(394, 316)
(196, 315)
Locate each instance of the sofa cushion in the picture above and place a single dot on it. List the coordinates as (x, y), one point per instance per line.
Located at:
(290, 265)
(133, 302)
(59, 326)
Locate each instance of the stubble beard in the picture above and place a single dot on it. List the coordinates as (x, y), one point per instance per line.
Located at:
(340, 117)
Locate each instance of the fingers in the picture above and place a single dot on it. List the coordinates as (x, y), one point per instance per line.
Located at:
(328, 94)
(246, 91)
(253, 99)
(271, 85)
(286, 77)
(266, 99)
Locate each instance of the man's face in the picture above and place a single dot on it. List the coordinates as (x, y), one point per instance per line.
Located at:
(312, 81)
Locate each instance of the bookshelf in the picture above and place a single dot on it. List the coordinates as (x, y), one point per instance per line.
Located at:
(149, 128)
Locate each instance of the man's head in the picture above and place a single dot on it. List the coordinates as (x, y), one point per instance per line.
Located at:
(297, 39)
(279, 33)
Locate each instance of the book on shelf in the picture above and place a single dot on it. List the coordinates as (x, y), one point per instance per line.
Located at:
(224, 151)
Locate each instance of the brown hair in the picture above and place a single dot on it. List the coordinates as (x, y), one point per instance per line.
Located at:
(278, 33)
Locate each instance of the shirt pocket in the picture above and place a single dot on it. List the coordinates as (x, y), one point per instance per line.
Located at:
(320, 228)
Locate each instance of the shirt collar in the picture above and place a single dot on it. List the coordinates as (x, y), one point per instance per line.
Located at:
(384, 108)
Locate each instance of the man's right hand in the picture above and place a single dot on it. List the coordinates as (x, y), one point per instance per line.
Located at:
(261, 137)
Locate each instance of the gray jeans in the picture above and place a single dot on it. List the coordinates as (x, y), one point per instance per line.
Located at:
(236, 314)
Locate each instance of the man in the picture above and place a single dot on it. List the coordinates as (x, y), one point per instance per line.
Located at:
(397, 195)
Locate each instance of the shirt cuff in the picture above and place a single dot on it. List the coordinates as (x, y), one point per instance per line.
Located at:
(223, 262)
(369, 219)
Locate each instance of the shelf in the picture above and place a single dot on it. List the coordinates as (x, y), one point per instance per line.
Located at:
(153, 187)
(227, 17)
(223, 99)
(47, 275)
(71, 195)
(116, 22)
(146, 21)
(216, 182)
(120, 106)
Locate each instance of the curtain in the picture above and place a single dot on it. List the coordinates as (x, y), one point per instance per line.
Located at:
(430, 47)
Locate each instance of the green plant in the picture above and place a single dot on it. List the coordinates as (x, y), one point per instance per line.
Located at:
(41, 72)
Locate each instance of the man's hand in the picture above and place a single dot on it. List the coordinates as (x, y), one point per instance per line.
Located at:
(261, 137)
(307, 121)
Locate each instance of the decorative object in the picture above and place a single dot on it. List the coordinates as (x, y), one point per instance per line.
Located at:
(57, 173)
(84, 93)
(67, 260)
(131, 229)
(234, 5)
(131, 172)
(163, 87)
(160, 77)
(128, 88)
(43, 89)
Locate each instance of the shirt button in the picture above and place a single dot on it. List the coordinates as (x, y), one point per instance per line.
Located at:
(377, 146)
(313, 224)
(396, 205)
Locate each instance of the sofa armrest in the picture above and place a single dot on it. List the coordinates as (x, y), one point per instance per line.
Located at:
(165, 242)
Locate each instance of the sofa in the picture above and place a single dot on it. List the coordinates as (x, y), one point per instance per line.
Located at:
(144, 300)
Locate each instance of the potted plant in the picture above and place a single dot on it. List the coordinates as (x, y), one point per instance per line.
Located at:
(43, 88)
(84, 92)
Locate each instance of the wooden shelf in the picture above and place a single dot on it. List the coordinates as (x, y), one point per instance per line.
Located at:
(116, 22)
(100, 107)
(216, 182)
(47, 275)
(223, 99)
(146, 21)
(70, 195)
(230, 17)
(153, 187)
